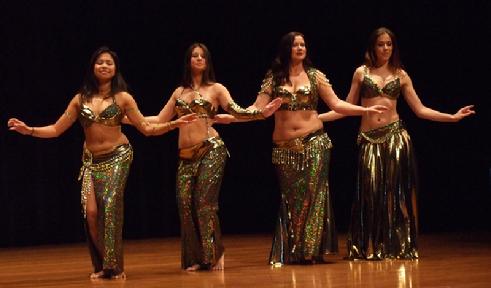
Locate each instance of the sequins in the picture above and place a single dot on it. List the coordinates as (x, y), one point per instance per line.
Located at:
(305, 229)
(198, 186)
(305, 98)
(105, 176)
(295, 153)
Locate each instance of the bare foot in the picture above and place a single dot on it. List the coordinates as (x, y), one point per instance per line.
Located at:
(220, 265)
(121, 276)
(97, 275)
(102, 275)
(193, 268)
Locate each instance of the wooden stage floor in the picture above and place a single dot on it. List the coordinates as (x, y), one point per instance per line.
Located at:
(446, 260)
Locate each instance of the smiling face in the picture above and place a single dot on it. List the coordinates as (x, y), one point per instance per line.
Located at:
(299, 51)
(198, 60)
(104, 67)
(383, 48)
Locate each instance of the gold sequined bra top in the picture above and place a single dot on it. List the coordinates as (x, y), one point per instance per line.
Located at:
(304, 98)
(200, 106)
(110, 116)
(370, 89)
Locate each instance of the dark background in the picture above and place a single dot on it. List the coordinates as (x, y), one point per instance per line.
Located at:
(45, 47)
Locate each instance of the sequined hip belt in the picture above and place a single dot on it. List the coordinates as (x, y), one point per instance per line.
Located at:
(299, 150)
(381, 134)
(103, 162)
(100, 163)
(197, 151)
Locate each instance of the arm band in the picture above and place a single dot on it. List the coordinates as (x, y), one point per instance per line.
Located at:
(241, 113)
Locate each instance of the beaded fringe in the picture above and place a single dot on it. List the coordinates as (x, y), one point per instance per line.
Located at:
(299, 158)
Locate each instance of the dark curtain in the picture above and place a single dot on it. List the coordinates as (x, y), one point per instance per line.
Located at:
(45, 47)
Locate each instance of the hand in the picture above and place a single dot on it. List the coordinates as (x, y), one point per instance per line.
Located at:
(15, 124)
(376, 108)
(272, 107)
(223, 119)
(464, 112)
(185, 120)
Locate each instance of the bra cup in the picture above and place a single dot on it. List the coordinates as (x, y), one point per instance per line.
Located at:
(370, 89)
(302, 99)
(110, 116)
(200, 106)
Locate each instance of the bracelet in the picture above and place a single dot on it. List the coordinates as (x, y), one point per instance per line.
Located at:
(32, 131)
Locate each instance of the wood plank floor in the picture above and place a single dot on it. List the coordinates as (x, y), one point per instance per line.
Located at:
(446, 260)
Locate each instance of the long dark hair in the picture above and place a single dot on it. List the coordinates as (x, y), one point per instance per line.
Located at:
(90, 85)
(208, 74)
(371, 57)
(281, 64)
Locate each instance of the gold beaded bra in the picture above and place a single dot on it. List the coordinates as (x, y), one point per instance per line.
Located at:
(370, 89)
(304, 98)
(110, 116)
(202, 107)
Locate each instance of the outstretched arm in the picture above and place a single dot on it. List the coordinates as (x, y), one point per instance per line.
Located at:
(241, 114)
(167, 112)
(353, 97)
(425, 112)
(165, 115)
(50, 131)
(144, 126)
(342, 107)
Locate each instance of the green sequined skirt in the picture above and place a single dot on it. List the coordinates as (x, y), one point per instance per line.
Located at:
(305, 229)
(384, 216)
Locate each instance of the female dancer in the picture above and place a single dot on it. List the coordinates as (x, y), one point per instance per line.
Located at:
(202, 156)
(383, 216)
(305, 229)
(100, 105)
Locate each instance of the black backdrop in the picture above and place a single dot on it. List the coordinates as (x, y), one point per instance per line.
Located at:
(45, 47)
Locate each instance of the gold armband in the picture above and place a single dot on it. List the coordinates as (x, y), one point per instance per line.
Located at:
(172, 125)
(241, 113)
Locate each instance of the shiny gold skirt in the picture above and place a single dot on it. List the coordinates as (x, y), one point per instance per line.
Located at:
(305, 230)
(199, 176)
(384, 215)
(105, 176)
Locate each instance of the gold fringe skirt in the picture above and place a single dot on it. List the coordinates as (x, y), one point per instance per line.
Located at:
(384, 214)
